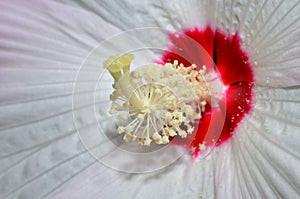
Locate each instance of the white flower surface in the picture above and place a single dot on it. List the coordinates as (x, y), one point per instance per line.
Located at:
(43, 45)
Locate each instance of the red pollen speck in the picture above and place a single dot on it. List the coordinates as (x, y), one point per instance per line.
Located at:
(215, 48)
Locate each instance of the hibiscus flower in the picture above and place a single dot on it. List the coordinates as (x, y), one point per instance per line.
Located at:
(55, 120)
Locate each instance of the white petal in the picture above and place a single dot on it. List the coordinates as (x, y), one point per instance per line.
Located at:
(270, 34)
(173, 15)
(183, 179)
(264, 155)
(42, 46)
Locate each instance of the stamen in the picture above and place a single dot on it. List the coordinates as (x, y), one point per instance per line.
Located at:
(156, 102)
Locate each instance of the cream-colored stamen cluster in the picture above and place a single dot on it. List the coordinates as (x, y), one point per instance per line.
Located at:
(197, 79)
(156, 102)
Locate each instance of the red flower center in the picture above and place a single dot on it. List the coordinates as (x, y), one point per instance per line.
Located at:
(224, 53)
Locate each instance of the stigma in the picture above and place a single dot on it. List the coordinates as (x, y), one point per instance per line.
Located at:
(155, 103)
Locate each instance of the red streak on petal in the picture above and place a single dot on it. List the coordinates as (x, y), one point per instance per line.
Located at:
(191, 48)
(232, 62)
(235, 71)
